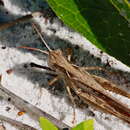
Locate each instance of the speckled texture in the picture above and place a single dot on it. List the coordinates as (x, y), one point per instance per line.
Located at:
(31, 84)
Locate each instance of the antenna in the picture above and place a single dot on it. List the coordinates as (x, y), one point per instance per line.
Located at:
(35, 49)
(34, 26)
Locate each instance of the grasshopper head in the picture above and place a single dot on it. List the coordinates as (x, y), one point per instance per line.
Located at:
(54, 56)
(56, 59)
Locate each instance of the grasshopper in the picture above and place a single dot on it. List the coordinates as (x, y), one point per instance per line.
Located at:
(89, 88)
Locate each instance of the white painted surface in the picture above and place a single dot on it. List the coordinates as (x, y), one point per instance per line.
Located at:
(31, 84)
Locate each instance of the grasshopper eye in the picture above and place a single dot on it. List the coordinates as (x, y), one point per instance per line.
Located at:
(52, 60)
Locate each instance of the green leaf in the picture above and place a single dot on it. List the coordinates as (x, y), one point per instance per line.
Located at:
(46, 124)
(86, 125)
(100, 22)
(123, 6)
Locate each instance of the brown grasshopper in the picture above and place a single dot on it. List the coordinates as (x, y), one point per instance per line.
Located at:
(90, 88)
